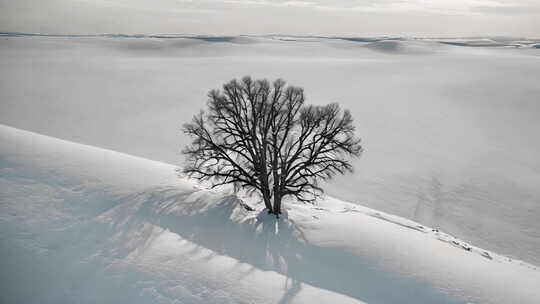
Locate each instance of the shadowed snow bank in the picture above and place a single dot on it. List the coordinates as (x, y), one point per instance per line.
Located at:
(86, 225)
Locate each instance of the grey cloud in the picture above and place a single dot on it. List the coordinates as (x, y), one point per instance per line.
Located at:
(507, 10)
(231, 17)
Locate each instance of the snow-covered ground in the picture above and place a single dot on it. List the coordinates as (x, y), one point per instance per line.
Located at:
(80, 224)
(450, 126)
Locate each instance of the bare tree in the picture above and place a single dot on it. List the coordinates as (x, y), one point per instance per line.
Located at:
(263, 137)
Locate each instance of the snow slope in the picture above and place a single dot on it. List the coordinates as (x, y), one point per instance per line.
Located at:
(449, 130)
(80, 224)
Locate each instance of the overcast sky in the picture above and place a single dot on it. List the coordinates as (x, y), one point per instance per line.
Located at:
(317, 17)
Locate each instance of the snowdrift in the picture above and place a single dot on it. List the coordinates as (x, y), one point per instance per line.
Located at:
(80, 224)
(439, 150)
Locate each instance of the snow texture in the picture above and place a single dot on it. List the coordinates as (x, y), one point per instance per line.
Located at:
(80, 224)
(450, 126)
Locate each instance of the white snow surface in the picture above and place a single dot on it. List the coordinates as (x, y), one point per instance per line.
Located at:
(81, 224)
(450, 130)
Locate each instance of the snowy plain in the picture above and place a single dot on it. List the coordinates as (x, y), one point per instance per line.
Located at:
(81, 224)
(450, 126)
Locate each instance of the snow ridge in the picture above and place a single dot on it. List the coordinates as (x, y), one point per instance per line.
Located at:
(383, 42)
(92, 225)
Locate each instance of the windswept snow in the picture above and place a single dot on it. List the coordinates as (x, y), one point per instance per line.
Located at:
(86, 225)
(80, 224)
(449, 130)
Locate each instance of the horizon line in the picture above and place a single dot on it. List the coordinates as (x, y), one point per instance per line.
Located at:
(188, 35)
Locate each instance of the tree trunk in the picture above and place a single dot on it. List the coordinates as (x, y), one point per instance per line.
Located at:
(277, 205)
(267, 201)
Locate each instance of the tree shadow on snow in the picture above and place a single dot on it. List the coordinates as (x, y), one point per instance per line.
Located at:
(221, 224)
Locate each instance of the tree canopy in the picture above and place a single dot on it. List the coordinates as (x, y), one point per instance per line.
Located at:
(263, 137)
